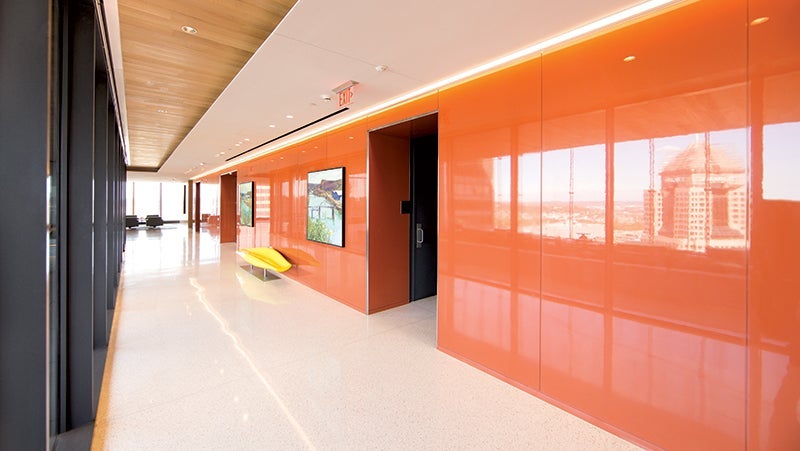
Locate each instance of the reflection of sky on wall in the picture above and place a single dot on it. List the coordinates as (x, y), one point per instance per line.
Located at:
(529, 181)
(589, 174)
(501, 179)
(632, 166)
(781, 161)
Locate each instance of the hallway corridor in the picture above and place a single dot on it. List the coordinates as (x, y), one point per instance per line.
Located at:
(205, 355)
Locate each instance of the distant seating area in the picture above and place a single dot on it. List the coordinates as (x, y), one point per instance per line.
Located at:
(132, 221)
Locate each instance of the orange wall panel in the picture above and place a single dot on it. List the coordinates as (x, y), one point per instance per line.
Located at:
(489, 234)
(347, 146)
(645, 227)
(774, 302)
(344, 273)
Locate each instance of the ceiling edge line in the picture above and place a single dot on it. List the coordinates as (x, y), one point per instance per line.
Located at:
(316, 121)
(102, 20)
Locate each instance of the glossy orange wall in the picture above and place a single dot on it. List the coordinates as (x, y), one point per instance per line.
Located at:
(646, 331)
(616, 235)
(281, 204)
(281, 199)
(597, 241)
(489, 262)
(774, 285)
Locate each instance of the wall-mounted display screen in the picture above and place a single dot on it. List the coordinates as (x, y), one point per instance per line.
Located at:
(246, 204)
(325, 217)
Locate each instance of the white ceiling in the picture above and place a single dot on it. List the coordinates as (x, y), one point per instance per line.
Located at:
(323, 43)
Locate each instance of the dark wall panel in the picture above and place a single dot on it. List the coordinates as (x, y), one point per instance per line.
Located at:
(24, 111)
(80, 209)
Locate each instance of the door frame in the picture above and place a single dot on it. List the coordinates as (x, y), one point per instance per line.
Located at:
(375, 251)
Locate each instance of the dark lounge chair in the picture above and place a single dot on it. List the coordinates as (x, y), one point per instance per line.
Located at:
(131, 221)
(153, 221)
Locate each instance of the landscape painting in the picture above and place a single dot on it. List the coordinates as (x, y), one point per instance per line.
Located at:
(246, 204)
(325, 221)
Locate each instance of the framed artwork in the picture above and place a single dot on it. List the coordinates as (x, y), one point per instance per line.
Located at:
(325, 217)
(246, 204)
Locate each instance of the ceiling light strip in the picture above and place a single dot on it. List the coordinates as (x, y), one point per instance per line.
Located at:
(582, 31)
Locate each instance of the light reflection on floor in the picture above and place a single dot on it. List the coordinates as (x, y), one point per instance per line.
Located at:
(204, 355)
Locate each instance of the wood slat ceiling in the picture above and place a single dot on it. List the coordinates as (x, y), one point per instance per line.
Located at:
(171, 77)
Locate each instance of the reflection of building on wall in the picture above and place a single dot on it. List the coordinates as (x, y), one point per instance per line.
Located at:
(653, 211)
(702, 201)
(475, 195)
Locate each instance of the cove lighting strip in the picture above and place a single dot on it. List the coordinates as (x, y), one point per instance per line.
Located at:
(581, 31)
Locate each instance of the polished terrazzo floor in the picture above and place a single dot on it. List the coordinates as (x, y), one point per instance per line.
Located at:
(204, 355)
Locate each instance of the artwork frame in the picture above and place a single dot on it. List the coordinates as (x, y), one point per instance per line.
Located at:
(326, 206)
(246, 213)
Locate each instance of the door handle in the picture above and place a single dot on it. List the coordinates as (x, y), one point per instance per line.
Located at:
(420, 236)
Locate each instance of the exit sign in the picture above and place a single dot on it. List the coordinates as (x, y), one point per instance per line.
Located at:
(346, 96)
(345, 92)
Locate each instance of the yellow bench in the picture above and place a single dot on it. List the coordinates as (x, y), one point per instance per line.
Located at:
(265, 258)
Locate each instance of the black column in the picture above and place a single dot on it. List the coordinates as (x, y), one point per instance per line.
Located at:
(119, 211)
(101, 177)
(111, 205)
(79, 210)
(24, 151)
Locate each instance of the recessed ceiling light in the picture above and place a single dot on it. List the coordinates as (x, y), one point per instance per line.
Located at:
(162, 111)
(271, 125)
(325, 97)
(238, 144)
(350, 137)
(289, 116)
(188, 29)
(381, 68)
(629, 58)
(247, 139)
(759, 20)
